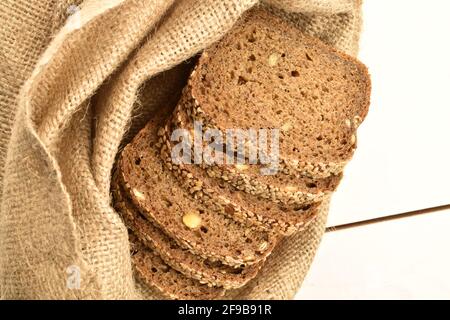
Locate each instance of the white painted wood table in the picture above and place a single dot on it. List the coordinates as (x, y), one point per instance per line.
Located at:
(402, 164)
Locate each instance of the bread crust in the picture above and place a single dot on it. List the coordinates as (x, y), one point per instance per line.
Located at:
(206, 272)
(143, 175)
(167, 281)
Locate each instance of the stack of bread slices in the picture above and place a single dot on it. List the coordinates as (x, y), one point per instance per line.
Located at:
(200, 229)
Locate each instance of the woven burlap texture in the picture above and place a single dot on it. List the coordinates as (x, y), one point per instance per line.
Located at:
(77, 80)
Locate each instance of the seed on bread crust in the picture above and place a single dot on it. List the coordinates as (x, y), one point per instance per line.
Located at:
(353, 139)
(241, 167)
(290, 189)
(192, 220)
(357, 121)
(286, 127)
(139, 194)
(273, 59)
(263, 246)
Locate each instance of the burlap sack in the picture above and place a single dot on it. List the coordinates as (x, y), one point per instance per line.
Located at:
(72, 90)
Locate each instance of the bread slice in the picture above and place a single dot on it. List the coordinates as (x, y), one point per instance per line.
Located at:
(209, 272)
(170, 283)
(282, 187)
(257, 213)
(158, 195)
(265, 73)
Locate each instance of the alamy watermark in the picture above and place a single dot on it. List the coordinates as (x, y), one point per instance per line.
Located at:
(236, 146)
(73, 280)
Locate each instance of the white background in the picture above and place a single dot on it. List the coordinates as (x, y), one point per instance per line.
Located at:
(402, 164)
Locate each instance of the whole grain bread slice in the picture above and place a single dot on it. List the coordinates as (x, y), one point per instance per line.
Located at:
(180, 259)
(257, 213)
(265, 73)
(198, 227)
(286, 188)
(167, 281)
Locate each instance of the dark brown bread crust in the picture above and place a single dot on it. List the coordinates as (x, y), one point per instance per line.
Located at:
(209, 272)
(167, 281)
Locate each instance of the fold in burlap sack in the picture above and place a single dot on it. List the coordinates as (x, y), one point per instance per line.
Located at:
(72, 91)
